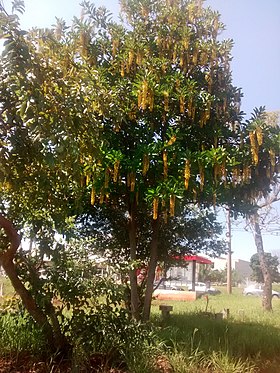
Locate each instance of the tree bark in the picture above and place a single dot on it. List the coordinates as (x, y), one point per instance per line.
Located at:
(134, 296)
(267, 291)
(7, 261)
(151, 271)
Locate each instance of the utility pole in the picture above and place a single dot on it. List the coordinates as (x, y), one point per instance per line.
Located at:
(229, 265)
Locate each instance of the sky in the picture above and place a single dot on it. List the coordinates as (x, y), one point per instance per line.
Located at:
(254, 25)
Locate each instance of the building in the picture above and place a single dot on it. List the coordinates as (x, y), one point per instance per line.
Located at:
(242, 267)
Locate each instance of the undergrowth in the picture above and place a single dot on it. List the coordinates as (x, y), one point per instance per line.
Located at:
(190, 341)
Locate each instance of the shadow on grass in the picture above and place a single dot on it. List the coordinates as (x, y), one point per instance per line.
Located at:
(239, 339)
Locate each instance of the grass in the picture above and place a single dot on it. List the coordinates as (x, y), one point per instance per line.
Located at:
(249, 341)
(18, 336)
(190, 341)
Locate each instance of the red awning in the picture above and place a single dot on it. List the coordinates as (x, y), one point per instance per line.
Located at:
(197, 258)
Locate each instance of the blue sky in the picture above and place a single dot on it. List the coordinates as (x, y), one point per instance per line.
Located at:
(254, 25)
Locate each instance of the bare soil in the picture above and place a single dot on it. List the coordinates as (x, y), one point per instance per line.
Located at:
(29, 364)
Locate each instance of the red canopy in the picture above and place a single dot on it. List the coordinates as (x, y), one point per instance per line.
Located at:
(197, 258)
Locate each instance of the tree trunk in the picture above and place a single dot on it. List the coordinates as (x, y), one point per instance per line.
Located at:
(267, 291)
(134, 297)
(151, 271)
(56, 340)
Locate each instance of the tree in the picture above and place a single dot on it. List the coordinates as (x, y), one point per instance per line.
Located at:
(40, 109)
(169, 136)
(272, 263)
(256, 221)
(261, 214)
(190, 231)
(140, 114)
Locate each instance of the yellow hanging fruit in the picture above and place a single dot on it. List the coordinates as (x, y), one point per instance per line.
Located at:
(87, 179)
(106, 179)
(82, 181)
(190, 102)
(171, 140)
(83, 43)
(225, 104)
(172, 205)
(155, 208)
(216, 25)
(182, 60)
(139, 58)
(186, 42)
(194, 195)
(151, 100)
(259, 135)
(187, 173)
(166, 100)
(224, 171)
(195, 57)
(203, 58)
(246, 174)
(101, 199)
(128, 181)
(216, 171)
(132, 181)
(144, 94)
(272, 157)
(174, 56)
(165, 164)
(193, 112)
(235, 176)
(254, 148)
(130, 58)
(214, 199)
(139, 99)
(146, 164)
(202, 120)
(182, 104)
(268, 172)
(122, 69)
(165, 216)
(115, 45)
(116, 170)
(132, 115)
(92, 196)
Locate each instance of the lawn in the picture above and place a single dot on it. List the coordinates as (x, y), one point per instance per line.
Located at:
(191, 340)
(248, 341)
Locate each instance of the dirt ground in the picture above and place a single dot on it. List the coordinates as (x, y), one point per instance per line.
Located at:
(27, 364)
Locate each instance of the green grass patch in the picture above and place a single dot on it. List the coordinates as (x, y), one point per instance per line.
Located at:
(190, 341)
(247, 341)
(19, 335)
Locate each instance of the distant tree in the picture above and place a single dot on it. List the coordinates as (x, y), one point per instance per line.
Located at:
(272, 263)
(218, 276)
(261, 217)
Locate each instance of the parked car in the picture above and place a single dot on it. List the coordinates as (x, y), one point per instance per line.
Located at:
(167, 286)
(258, 291)
(201, 287)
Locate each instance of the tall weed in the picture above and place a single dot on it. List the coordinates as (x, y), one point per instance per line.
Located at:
(19, 334)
